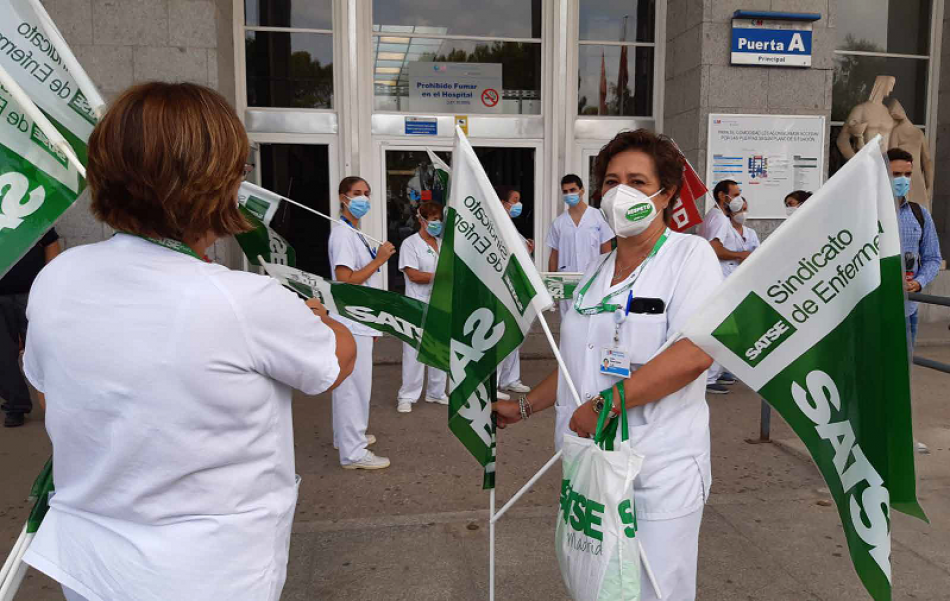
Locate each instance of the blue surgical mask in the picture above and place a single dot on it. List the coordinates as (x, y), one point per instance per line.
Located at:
(515, 210)
(359, 206)
(434, 228)
(572, 199)
(901, 186)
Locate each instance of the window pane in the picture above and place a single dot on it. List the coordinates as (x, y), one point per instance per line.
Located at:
(309, 14)
(615, 80)
(293, 70)
(854, 80)
(521, 69)
(302, 172)
(489, 18)
(902, 27)
(618, 20)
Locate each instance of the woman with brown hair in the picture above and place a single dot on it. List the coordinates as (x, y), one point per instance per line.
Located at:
(168, 379)
(354, 261)
(628, 306)
(418, 257)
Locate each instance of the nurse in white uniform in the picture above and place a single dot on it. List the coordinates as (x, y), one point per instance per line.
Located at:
(509, 370)
(663, 277)
(418, 257)
(354, 261)
(737, 237)
(578, 235)
(168, 379)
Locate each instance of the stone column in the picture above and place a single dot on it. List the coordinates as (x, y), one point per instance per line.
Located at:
(700, 80)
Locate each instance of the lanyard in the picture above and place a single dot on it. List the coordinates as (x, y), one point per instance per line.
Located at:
(174, 245)
(372, 252)
(603, 306)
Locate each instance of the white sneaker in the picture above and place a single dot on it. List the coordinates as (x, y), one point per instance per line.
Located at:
(517, 386)
(370, 440)
(369, 462)
(404, 407)
(922, 448)
(502, 396)
(439, 401)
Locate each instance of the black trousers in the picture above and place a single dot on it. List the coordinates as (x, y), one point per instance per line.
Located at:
(13, 388)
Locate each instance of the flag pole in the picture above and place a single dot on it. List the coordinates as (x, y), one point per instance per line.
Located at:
(69, 60)
(534, 479)
(327, 217)
(491, 545)
(560, 360)
(33, 112)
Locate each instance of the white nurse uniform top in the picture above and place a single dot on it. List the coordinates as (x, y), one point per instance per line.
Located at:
(672, 433)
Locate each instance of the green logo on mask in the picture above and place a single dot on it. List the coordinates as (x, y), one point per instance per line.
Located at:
(639, 211)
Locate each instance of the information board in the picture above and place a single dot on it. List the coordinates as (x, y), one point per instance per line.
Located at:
(455, 87)
(769, 156)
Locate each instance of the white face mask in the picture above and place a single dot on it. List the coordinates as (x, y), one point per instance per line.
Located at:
(740, 217)
(790, 210)
(628, 211)
(735, 204)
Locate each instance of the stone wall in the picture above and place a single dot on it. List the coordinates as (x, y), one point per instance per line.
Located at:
(121, 42)
(700, 80)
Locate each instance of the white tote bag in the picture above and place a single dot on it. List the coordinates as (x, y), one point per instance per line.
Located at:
(596, 541)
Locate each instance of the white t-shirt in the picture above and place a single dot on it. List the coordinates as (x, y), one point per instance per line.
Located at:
(713, 223)
(732, 240)
(415, 253)
(348, 248)
(578, 245)
(673, 433)
(168, 386)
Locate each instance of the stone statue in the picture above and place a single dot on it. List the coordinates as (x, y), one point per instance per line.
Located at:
(868, 119)
(907, 137)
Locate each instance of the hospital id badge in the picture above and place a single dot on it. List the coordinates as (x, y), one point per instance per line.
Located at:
(614, 362)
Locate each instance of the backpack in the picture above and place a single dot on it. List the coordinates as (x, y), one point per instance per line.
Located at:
(918, 213)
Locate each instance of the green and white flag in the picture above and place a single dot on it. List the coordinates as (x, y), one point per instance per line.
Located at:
(388, 312)
(561, 284)
(485, 296)
(259, 206)
(442, 171)
(814, 322)
(37, 182)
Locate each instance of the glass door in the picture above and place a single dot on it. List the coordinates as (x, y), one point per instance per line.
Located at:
(303, 173)
(409, 179)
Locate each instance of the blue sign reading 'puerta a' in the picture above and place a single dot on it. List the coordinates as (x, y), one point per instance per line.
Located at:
(772, 39)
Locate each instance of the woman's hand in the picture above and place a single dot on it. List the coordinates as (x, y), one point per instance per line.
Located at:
(317, 307)
(584, 421)
(385, 251)
(507, 412)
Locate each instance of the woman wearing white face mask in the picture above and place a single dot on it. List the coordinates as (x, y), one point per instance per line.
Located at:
(354, 261)
(418, 257)
(794, 200)
(627, 307)
(736, 237)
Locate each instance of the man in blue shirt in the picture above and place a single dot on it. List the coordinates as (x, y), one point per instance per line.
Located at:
(919, 245)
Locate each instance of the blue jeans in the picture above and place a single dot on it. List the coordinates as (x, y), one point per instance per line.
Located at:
(911, 335)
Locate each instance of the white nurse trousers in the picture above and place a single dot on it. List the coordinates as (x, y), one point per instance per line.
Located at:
(509, 370)
(351, 405)
(413, 374)
(672, 547)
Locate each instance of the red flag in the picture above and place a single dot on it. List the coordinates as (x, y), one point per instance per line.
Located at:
(685, 212)
(622, 79)
(603, 84)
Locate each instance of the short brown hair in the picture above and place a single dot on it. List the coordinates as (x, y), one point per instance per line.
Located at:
(430, 210)
(899, 154)
(166, 161)
(667, 160)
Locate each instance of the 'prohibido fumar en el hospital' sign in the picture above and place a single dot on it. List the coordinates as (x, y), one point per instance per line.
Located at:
(455, 87)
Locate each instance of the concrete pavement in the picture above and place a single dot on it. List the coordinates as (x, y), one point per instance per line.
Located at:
(418, 530)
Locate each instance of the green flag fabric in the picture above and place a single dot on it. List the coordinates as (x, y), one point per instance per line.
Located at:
(814, 322)
(40, 494)
(259, 206)
(37, 182)
(389, 312)
(561, 284)
(485, 296)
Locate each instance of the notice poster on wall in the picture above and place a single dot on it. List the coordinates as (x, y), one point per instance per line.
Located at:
(455, 87)
(769, 156)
